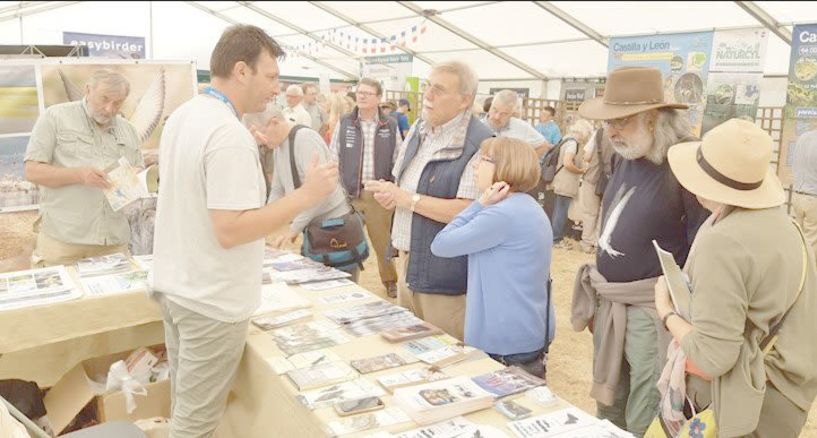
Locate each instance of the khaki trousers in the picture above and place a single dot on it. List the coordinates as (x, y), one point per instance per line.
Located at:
(804, 208)
(591, 207)
(444, 311)
(378, 225)
(52, 252)
(203, 354)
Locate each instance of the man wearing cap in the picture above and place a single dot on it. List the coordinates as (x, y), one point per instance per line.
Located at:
(804, 198)
(642, 202)
(403, 107)
(754, 302)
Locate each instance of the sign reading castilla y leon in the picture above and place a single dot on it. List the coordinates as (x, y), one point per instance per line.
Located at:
(108, 46)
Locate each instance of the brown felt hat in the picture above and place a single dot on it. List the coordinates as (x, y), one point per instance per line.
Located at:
(629, 90)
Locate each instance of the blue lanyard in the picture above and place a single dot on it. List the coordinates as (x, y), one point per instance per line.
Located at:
(220, 96)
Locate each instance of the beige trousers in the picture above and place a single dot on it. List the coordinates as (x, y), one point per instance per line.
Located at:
(444, 311)
(378, 225)
(51, 252)
(591, 208)
(804, 208)
(204, 355)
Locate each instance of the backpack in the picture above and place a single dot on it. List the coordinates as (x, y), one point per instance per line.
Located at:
(550, 162)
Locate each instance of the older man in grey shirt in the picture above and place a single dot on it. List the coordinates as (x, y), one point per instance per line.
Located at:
(804, 198)
(272, 129)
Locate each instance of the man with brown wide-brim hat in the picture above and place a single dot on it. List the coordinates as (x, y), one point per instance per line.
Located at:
(754, 283)
(642, 202)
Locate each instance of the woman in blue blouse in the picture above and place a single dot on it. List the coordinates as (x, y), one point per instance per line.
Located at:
(507, 238)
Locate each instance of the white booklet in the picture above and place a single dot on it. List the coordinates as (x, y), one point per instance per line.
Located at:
(129, 183)
(35, 287)
(677, 283)
(107, 264)
(372, 420)
(553, 423)
(325, 285)
(325, 397)
(116, 283)
(277, 297)
(436, 401)
(322, 374)
(344, 297)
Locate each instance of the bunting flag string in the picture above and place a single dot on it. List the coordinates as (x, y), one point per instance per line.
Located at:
(347, 39)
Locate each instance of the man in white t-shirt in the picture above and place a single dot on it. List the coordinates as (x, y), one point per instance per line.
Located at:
(501, 120)
(294, 110)
(210, 225)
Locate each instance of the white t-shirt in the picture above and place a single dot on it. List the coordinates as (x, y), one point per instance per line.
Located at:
(208, 160)
(519, 129)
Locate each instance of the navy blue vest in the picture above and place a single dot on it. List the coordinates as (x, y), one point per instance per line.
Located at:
(428, 273)
(350, 150)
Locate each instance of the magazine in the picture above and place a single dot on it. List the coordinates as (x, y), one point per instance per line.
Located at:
(424, 345)
(279, 297)
(321, 374)
(410, 332)
(35, 287)
(311, 336)
(344, 297)
(378, 363)
(292, 265)
(108, 264)
(281, 319)
(371, 326)
(116, 283)
(507, 381)
(443, 357)
(308, 359)
(325, 285)
(363, 311)
(552, 424)
(372, 420)
(436, 401)
(128, 183)
(411, 377)
(310, 275)
(325, 397)
(677, 283)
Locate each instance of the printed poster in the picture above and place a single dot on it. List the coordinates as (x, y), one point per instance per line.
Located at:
(19, 102)
(683, 59)
(800, 112)
(16, 193)
(733, 87)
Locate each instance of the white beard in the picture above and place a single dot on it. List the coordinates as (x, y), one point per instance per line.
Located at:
(637, 147)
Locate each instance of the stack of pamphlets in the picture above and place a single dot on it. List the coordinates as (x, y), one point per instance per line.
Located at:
(321, 374)
(108, 264)
(371, 420)
(116, 283)
(440, 400)
(310, 336)
(379, 363)
(281, 318)
(35, 287)
(507, 381)
(308, 359)
(458, 427)
(410, 332)
(569, 422)
(416, 376)
(443, 357)
(325, 397)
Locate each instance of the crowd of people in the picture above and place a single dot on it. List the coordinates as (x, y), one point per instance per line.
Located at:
(457, 237)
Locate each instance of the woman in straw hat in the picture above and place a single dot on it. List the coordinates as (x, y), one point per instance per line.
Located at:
(748, 349)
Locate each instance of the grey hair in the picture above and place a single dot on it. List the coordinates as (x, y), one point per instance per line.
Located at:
(110, 78)
(468, 78)
(261, 119)
(294, 90)
(581, 129)
(671, 127)
(507, 98)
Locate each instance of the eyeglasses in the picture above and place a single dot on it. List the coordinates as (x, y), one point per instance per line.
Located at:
(435, 90)
(617, 123)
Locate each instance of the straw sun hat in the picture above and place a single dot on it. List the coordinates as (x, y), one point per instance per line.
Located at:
(730, 166)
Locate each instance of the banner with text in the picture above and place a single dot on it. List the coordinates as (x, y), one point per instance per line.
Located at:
(107, 46)
(683, 59)
(800, 112)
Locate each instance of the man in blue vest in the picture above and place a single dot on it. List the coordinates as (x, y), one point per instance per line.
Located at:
(434, 181)
(365, 142)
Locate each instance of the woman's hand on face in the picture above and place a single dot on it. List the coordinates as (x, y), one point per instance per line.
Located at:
(497, 192)
(663, 302)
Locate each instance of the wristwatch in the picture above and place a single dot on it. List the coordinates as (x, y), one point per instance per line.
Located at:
(415, 198)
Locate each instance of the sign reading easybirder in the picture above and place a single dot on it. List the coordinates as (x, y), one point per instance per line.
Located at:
(107, 46)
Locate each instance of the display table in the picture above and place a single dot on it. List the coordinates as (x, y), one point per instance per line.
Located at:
(42, 343)
(263, 404)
